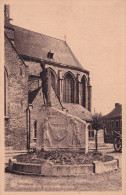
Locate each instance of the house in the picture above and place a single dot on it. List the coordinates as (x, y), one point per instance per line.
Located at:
(25, 50)
(112, 122)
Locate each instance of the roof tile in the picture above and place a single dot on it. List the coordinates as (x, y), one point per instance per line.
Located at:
(116, 112)
(38, 45)
(78, 110)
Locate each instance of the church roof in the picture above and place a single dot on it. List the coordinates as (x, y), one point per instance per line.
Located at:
(115, 113)
(78, 110)
(35, 45)
(7, 23)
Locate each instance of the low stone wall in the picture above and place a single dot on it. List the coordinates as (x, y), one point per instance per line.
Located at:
(47, 168)
(100, 167)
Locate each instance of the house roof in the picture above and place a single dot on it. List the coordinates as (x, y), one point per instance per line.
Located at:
(116, 112)
(78, 110)
(35, 45)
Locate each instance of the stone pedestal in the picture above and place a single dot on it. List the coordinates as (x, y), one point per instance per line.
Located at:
(100, 136)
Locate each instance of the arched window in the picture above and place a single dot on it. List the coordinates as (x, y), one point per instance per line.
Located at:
(53, 80)
(35, 129)
(83, 96)
(68, 93)
(5, 93)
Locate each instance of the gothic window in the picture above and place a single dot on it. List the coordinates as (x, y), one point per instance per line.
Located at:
(5, 93)
(53, 81)
(68, 95)
(83, 96)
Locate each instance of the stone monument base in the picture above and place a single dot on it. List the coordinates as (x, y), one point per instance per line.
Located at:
(60, 131)
(49, 169)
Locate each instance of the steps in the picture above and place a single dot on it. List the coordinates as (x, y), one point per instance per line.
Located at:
(101, 146)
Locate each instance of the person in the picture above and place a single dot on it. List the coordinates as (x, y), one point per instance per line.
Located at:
(45, 77)
(75, 132)
(46, 132)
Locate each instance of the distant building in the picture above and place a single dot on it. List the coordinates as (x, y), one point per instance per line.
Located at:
(112, 122)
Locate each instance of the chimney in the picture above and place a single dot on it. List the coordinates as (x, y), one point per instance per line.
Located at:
(116, 104)
(7, 11)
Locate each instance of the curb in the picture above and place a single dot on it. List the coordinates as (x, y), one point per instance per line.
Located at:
(101, 167)
(47, 168)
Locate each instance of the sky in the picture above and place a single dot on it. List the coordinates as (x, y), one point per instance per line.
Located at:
(95, 32)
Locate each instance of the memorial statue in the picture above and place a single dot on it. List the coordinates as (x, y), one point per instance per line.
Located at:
(46, 132)
(46, 84)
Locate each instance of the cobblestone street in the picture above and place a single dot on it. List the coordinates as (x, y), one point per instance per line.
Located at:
(110, 181)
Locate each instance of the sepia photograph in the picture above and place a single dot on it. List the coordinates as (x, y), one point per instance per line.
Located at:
(63, 88)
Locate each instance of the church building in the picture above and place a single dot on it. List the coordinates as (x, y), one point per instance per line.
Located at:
(70, 91)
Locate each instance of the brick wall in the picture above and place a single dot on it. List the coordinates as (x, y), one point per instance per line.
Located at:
(15, 125)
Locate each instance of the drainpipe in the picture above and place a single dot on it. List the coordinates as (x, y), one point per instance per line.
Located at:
(28, 118)
(28, 127)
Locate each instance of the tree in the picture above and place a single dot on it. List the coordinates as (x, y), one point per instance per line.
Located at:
(96, 125)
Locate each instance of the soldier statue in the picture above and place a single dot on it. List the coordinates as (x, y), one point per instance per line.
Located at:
(46, 84)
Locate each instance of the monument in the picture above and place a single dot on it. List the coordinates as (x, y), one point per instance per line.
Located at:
(46, 84)
(58, 130)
